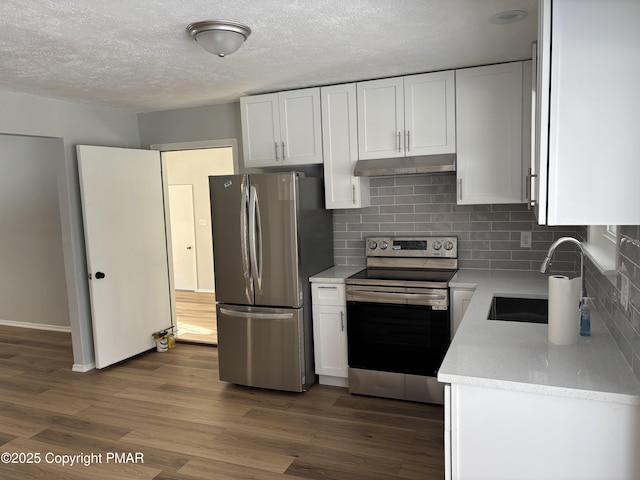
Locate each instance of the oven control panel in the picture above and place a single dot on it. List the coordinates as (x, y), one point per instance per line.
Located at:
(420, 247)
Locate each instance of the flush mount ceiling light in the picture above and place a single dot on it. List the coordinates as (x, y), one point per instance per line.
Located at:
(220, 37)
(508, 16)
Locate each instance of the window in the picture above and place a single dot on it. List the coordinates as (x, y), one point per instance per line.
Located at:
(611, 233)
(602, 249)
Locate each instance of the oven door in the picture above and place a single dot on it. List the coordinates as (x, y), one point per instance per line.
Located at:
(397, 338)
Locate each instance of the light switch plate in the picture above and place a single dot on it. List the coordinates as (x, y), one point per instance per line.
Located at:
(624, 292)
(525, 239)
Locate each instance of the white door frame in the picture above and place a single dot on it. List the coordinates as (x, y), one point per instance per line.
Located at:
(168, 147)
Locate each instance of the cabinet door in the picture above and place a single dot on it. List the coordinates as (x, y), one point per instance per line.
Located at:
(381, 118)
(543, 77)
(340, 149)
(330, 340)
(592, 111)
(300, 127)
(260, 130)
(489, 136)
(429, 117)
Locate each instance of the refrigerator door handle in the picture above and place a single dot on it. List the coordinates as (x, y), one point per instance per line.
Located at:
(259, 243)
(244, 235)
(255, 245)
(263, 316)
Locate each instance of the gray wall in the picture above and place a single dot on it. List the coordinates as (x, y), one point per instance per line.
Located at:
(488, 235)
(75, 124)
(32, 286)
(214, 122)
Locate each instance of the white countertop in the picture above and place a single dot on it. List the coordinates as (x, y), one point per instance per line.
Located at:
(517, 355)
(336, 274)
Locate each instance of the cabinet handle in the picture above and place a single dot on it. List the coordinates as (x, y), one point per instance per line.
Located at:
(276, 148)
(460, 188)
(353, 193)
(399, 150)
(284, 154)
(327, 287)
(530, 177)
(342, 321)
(408, 144)
(527, 185)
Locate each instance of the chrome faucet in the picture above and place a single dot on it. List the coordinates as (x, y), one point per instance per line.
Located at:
(547, 261)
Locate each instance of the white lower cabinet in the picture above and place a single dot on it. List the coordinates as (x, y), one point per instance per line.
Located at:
(502, 434)
(330, 333)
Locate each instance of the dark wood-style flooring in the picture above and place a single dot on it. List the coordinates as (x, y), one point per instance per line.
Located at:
(170, 410)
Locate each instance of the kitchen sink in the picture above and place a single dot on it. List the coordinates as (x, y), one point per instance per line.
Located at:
(519, 309)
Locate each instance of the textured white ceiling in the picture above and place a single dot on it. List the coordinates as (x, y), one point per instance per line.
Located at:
(136, 54)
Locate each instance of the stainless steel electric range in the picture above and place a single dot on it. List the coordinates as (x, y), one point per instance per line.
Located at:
(398, 318)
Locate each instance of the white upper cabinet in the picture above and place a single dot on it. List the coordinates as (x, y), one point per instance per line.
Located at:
(260, 129)
(489, 134)
(429, 113)
(340, 148)
(281, 129)
(587, 116)
(380, 118)
(406, 116)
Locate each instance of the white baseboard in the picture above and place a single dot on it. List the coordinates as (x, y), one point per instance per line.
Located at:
(35, 326)
(77, 367)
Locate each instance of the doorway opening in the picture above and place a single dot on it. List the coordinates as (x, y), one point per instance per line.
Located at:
(189, 218)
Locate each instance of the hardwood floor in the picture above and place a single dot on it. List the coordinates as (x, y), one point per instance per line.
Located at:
(170, 411)
(196, 316)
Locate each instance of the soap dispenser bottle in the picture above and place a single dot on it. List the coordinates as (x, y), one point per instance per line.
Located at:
(585, 317)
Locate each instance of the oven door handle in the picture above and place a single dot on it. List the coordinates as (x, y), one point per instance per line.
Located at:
(389, 297)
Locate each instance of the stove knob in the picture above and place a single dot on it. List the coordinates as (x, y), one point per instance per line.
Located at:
(448, 245)
(373, 245)
(437, 245)
(383, 245)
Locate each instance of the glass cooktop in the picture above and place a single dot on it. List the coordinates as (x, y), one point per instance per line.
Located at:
(403, 274)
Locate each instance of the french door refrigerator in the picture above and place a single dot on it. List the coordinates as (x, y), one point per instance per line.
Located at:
(270, 233)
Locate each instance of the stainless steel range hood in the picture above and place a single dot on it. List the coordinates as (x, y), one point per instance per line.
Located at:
(385, 167)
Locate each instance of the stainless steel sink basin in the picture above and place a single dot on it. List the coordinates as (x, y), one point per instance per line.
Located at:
(519, 309)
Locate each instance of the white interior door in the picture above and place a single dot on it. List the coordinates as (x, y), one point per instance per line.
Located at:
(183, 242)
(125, 236)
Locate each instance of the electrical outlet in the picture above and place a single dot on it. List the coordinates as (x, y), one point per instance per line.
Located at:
(525, 239)
(624, 292)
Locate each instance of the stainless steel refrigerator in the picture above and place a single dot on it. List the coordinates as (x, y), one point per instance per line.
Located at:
(270, 233)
